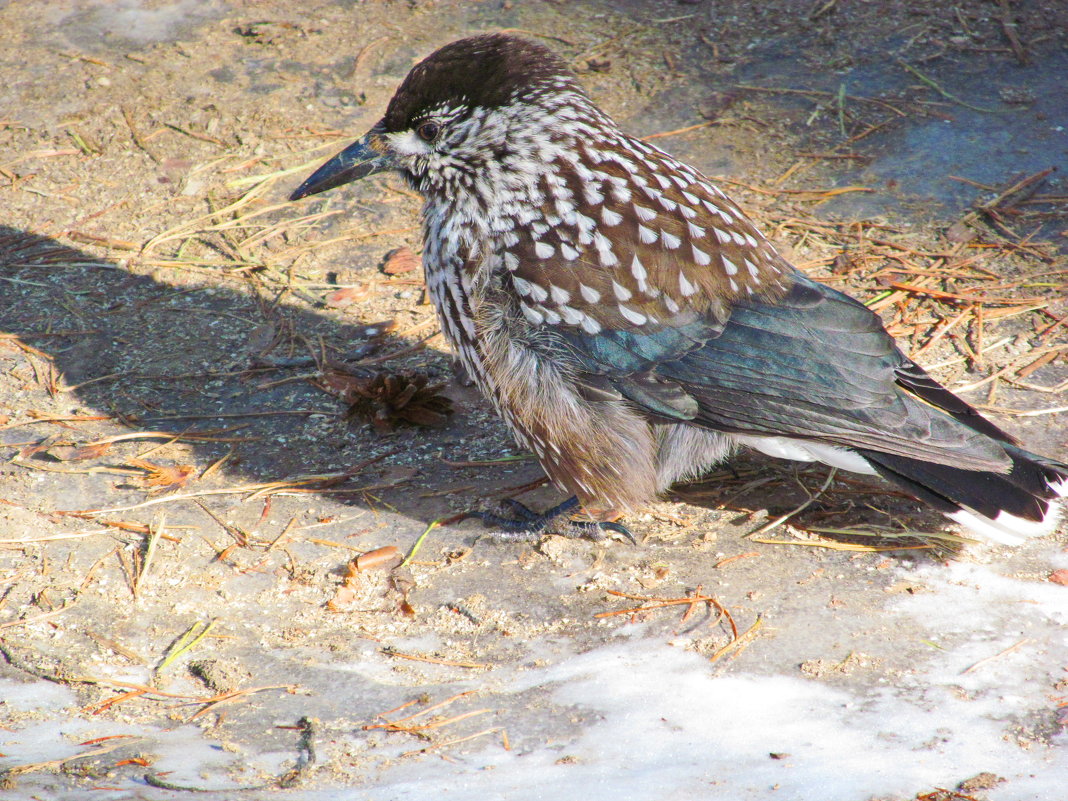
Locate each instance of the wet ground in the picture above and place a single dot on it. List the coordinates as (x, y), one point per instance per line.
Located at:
(174, 337)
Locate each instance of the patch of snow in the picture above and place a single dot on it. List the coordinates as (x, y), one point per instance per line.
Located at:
(665, 726)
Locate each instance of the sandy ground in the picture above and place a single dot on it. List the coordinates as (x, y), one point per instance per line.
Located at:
(179, 346)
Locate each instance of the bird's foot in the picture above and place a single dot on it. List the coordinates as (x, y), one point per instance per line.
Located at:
(526, 525)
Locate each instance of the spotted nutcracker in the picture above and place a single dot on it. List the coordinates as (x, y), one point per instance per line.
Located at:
(633, 327)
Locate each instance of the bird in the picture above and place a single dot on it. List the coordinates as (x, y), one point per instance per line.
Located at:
(634, 328)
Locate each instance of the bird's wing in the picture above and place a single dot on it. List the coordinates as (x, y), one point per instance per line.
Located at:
(818, 365)
(665, 294)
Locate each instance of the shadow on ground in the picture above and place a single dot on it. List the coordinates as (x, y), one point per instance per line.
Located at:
(201, 364)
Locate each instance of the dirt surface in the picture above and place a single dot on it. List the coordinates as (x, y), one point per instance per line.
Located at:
(183, 486)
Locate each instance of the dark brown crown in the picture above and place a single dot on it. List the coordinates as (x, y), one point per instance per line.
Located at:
(486, 71)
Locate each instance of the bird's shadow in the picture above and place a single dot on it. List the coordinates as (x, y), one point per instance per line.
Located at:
(94, 350)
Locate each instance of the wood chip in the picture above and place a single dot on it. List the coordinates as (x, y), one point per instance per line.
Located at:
(383, 558)
(347, 296)
(400, 261)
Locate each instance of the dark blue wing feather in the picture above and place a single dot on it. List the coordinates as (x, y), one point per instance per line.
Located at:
(814, 364)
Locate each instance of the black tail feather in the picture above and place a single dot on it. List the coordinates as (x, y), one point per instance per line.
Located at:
(1022, 502)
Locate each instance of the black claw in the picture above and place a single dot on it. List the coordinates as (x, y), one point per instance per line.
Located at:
(619, 528)
(530, 526)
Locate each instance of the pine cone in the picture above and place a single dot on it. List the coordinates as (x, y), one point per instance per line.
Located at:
(389, 399)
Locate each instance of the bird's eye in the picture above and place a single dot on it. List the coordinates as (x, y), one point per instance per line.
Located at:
(428, 131)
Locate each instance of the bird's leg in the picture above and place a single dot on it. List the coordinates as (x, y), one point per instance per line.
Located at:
(526, 525)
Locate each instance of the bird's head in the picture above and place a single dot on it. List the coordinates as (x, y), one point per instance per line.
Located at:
(462, 113)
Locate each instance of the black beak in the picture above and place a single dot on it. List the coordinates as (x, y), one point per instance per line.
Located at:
(360, 159)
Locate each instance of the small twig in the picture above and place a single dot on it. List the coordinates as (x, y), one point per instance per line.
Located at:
(811, 498)
(189, 640)
(333, 544)
(153, 780)
(73, 535)
(844, 546)
(823, 9)
(441, 521)
(730, 559)
(943, 328)
(817, 93)
(148, 418)
(155, 530)
(414, 715)
(435, 724)
(256, 489)
(434, 660)
(519, 457)
(740, 642)
(687, 129)
(1008, 368)
(361, 57)
(233, 695)
(998, 655)
(958, 359)
(417, 346)
(1009, 27)
(238, 535)
(948, 96)
(136, 136)
(841, 99)
(17, 770)
(37, 618)
(195, 134)
(453, 742)
(690, 602)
